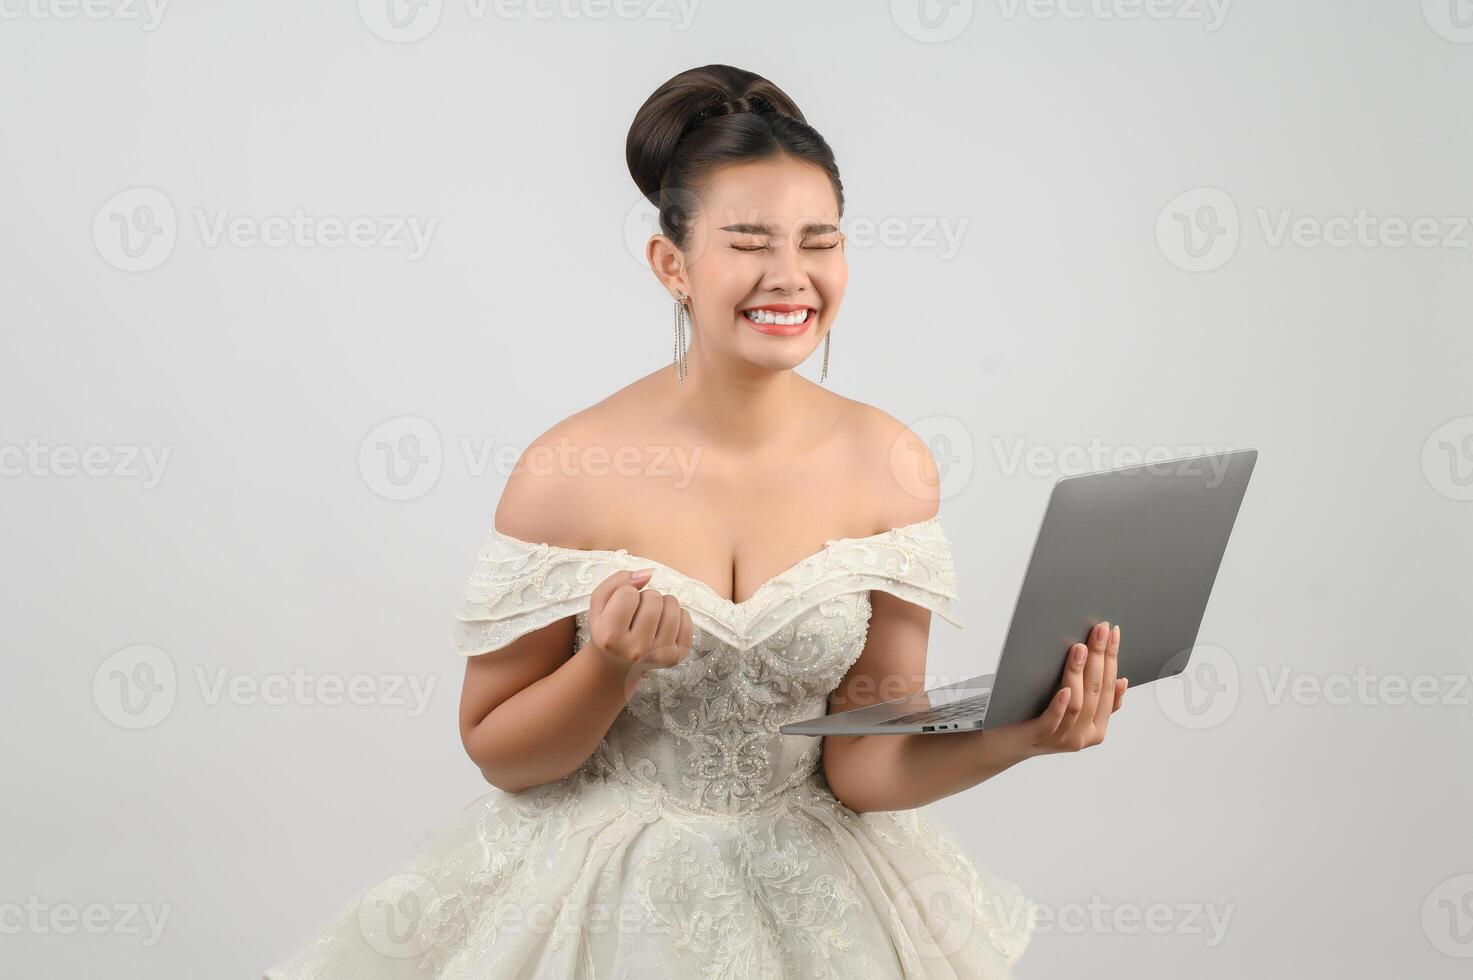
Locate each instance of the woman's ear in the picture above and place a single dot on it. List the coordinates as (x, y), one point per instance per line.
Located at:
(667, 264)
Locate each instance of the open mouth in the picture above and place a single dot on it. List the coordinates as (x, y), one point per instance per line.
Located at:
(783, 319)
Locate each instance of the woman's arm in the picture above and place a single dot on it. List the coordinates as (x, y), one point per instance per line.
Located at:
(534, 710)
(899, 772)
(530, 714)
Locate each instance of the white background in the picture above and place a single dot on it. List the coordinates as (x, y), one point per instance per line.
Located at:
(1072, 313)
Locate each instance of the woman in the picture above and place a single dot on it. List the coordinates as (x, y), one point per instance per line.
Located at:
(648, 820)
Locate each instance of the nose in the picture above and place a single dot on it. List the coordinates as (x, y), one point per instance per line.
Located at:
(784, 272)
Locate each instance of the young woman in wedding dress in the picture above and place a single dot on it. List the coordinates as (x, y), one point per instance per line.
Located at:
(673, 573)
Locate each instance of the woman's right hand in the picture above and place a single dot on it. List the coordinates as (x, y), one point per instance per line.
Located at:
(637, 628)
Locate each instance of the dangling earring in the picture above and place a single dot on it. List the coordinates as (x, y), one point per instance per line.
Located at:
(825, 372)
(681, 319)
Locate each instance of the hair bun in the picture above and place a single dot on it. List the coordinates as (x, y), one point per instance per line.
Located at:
(707, 118)
(690, 99)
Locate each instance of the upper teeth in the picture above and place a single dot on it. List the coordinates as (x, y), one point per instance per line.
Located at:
(767, 316)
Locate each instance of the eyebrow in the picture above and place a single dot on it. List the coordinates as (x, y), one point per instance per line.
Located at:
(743, 228)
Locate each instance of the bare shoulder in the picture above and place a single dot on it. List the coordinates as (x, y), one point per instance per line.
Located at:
(898, 464)
(547, 494)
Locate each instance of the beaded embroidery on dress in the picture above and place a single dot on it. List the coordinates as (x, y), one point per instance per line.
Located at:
(696, 841)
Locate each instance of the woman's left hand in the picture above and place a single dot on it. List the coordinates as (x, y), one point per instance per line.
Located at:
(1089, 694)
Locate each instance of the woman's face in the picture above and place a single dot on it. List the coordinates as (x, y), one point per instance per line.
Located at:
(764, 245)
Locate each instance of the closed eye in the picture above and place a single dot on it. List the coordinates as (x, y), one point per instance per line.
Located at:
(761, 248)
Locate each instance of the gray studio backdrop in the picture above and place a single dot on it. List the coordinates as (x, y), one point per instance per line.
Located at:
(287, 286)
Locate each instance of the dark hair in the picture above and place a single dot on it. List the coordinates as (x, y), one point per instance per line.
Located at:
(706, 118)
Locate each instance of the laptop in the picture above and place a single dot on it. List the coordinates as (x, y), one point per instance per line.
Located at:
(1138, 545)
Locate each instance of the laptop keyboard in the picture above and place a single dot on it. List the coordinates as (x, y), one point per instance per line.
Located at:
(947, 712)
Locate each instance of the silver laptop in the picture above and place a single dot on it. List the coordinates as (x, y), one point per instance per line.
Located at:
(1139, 546)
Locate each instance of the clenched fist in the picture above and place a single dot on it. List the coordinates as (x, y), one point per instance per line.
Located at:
(637, 628)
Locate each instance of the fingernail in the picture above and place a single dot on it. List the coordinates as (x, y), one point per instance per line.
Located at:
(643, 575)
(1080, 652)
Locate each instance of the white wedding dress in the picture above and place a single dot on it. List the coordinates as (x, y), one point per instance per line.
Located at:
(696, 841)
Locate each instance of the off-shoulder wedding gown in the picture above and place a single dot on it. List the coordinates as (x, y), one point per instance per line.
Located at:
(696, 841)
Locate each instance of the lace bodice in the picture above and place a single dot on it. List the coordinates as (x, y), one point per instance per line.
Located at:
(703, 734)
